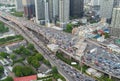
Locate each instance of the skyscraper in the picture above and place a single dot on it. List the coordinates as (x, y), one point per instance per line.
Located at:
(41, 8)
(64, 8)
(115, 25)
(86, 1)
(116, 3)
(55, 8)
(106, 7)
(19, 5)
(95, 6)
(10, 2)
(76, 8)
(29, 8)
(50, 9)
(47, 19)
(95, 2)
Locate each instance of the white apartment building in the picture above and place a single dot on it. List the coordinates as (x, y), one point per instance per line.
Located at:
(64, 8)
(106, 7)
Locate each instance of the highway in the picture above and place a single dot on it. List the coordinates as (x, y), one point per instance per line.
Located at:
(26, 26)
(39, 47)
(64, 40)
(27, 36)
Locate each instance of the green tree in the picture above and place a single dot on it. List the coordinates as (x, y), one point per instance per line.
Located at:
(105, 78)
(39, 57)
(27, 71)
(34, 60)
(46, 62)
(69, 28)
(1, 70)
(107, 35)
(12, 56)
(35, 63)
(30, 46)
(23, 70)
(60, 56)
(18, 70)
(54, 70)
(3, 54)
(22, 50)
(8, 79)
(26, 52)
(29, 59)
(3, 29)
(17, 51)
(15, 13)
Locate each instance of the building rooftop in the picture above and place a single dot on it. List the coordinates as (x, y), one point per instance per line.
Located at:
(26, 78)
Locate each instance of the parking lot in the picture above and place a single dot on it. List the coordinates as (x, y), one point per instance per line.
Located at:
(76, 75)
(103, 60)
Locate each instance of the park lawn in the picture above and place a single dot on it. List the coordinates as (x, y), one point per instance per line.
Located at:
(10, 39)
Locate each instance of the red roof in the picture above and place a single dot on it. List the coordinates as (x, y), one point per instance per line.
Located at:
(26, 78)
(101, 31)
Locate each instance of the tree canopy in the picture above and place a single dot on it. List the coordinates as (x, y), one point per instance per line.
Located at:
(8, 79)
(107, 35)
(54, 70)
(12, 56)
(34, 60)
(22, 50)
(3, 54)
(69, 28)
(30, 46)
(3, 29)
(1, 70)
(23, 71)
(46, 62)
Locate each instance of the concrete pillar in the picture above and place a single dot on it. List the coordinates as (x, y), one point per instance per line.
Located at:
(81, 66)
(70, 57)
(109, 76)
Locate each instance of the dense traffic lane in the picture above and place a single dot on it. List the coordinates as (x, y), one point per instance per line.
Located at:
(38, 48)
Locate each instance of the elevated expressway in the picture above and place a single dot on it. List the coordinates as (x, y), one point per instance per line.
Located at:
(39, 44)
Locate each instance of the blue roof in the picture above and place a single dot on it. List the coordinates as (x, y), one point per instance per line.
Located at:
(106, 29)
(97, 36)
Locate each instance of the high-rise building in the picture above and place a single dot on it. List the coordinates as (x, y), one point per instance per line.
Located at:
(106, 7)
(29, 8)
(19, 5)
(76, 8)
(95, 2)
(64, 8)
(10, 2)
(86, 1)
(116, 3)
(50, 9)
(115, 24)
(41, 8)
(55, 9)
(47, 19)
(95, 6)
(40, 11)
